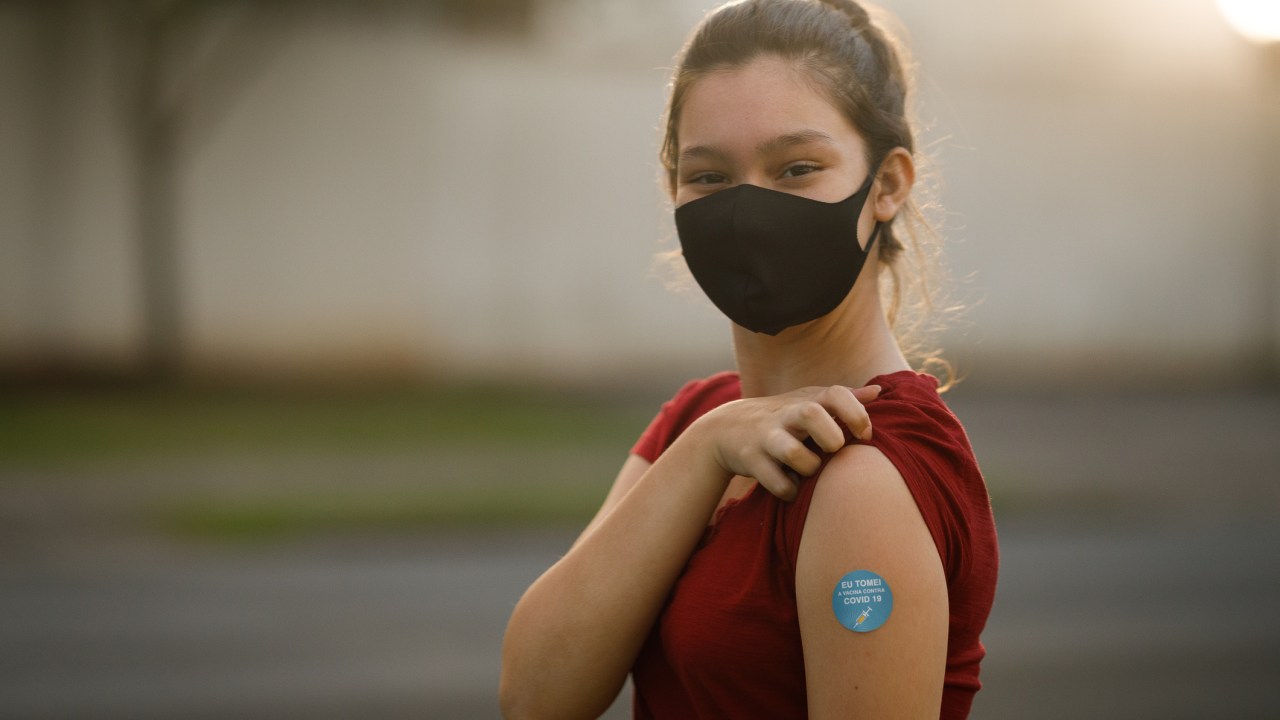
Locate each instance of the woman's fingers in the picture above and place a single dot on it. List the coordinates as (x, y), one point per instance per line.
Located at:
(814, 419)
(843, 403)
(866, 393)
(789, 438)
(791, 452)
(772, 478)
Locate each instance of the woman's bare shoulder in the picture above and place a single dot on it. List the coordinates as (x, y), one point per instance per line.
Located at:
(864, 518)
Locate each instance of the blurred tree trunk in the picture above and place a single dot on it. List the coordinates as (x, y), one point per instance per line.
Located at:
(155, 135)
(167, 75)
(1270, 191)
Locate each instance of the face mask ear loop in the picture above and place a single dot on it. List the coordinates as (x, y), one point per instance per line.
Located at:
(874, 234)
(866, 187)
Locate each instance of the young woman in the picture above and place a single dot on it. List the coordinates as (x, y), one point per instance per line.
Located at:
(764, 552)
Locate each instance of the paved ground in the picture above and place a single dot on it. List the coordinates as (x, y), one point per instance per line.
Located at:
(1155, 622)
(1140, 579)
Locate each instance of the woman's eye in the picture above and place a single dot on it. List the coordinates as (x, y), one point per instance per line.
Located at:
(800, 169)
(708, 179)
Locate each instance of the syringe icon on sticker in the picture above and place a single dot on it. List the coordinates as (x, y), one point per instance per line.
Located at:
(861, 618)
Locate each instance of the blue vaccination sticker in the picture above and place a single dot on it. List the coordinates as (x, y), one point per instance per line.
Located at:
(862, 601)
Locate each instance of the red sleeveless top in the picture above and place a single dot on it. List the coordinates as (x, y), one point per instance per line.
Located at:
(727, 642)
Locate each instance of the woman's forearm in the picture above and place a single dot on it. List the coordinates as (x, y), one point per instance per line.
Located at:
(574, 635)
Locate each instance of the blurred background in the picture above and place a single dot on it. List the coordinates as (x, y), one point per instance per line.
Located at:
(324, 325)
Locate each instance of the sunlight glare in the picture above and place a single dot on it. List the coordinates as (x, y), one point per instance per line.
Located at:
(1258, 20)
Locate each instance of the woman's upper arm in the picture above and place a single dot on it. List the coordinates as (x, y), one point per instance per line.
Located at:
(632, 469)
(863, 517)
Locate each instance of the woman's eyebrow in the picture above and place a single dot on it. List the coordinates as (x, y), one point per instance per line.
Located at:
(800, 137)
(702, 151)
(781, 142)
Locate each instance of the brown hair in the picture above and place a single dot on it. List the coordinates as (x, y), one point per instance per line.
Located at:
(862, 69)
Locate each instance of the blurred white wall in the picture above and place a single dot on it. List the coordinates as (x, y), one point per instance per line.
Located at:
(1105, 163)
(389, 194)
(501, 215)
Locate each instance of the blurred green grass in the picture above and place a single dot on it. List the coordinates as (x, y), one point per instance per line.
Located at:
(282, 516)
(256, 464)
(58, 428)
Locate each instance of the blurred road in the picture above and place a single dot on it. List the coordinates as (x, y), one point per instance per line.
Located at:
(1156, 622)
(1140, 579)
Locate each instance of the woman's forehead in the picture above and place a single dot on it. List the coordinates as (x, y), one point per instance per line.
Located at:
(765, 99)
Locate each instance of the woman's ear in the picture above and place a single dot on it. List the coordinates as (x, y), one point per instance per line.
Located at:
(893, 183)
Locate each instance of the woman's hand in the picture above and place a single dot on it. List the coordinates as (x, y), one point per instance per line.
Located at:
(773, 439)
(575, 634)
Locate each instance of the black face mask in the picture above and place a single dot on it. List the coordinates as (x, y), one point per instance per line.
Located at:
(771, 260)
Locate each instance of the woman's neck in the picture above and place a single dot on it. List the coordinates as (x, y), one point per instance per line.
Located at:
(848, 346)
